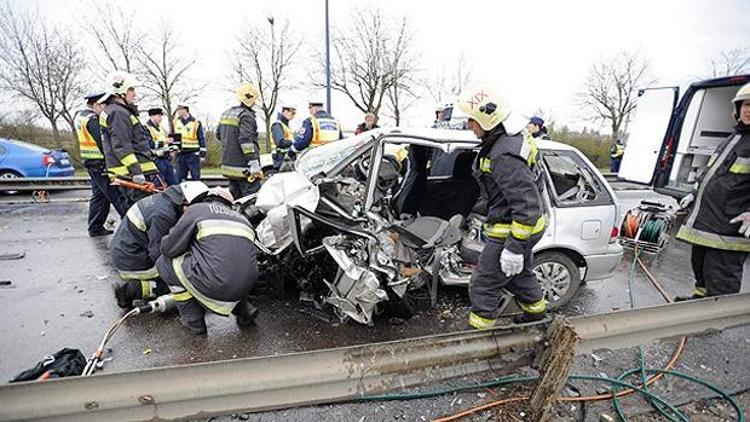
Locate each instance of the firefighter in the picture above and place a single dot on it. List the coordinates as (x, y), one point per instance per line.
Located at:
(238, 133)
(124, 143)
(192, 144)
(318, 129)
(161, 144)
(283, 137)
(209, 262)
(509, 181)
(718, 225)
(90, 144)
(136, 243)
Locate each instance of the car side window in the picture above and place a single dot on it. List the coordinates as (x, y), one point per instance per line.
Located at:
(570, 180)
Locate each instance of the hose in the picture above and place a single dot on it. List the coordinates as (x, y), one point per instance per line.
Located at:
(662, 406)
(97, 355)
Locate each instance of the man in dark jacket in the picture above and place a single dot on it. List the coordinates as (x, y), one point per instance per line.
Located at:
(282, 135)
(318, 129)
(136, 243)
(124, 142)
(90, 144)
(209, 262)
(718, 226)
(368, 124)
(508, 178)
(238, 133)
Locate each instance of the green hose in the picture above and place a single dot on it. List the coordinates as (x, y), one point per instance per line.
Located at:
(663, 407)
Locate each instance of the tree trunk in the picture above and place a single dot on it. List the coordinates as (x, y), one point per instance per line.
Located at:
(55, 133)
(268, 134)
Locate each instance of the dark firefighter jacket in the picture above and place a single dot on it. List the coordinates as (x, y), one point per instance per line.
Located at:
(137, 240)
(238, 133)
(723, 193)
(210, 251)
(509, 181)
(126, 149)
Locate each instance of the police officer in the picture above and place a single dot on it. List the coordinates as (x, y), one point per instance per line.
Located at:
(535, 128)
(282, 136)
(192, 144)
(509, 181)
(136, 243)
(238, 133)
(718, 226)
(161, 144)
(90, 144)
(124, 143)
(209, 262)
(318, 129)
(615, 156)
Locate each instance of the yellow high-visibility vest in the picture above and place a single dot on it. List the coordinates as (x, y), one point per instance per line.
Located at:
(159, 135)
(86, 142)
(189, 134)
(325, 130)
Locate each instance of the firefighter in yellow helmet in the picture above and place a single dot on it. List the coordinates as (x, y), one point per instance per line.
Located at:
(718, 226)
(510, 184)
(238, 133)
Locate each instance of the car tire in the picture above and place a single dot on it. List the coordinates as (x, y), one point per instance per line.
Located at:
(9, 174)
(559, 276)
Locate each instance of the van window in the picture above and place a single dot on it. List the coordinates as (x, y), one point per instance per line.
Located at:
(570, 180)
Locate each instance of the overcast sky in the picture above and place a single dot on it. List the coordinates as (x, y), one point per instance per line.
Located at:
(539, 51)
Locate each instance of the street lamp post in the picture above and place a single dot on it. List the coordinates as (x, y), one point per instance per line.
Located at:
(328, 65)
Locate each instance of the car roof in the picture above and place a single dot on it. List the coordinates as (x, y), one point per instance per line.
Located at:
(26, 145)
(452, 135)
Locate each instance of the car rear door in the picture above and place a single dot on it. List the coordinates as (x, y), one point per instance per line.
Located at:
(647, 131)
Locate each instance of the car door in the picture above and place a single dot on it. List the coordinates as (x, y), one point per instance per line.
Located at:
(649, 124)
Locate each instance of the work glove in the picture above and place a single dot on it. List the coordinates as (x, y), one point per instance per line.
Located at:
(743, 218)
(686, 201)
(291, 155)
(511, 263)
(139, 178)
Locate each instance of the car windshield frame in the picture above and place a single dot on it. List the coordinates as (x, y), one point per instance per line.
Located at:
(328, 159)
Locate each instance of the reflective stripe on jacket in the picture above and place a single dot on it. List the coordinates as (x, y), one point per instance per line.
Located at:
(238, 133)
(188, 132)
(124, 143)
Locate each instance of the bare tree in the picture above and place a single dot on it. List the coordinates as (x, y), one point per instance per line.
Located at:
(40, 64)
(611, 89)
(264, 57)
(446, 85)
(730, 62)
(116, 37)
(370, 58)
(165, 68)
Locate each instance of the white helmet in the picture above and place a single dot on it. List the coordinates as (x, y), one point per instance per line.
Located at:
(193, 191)
(118, 83)
(742, 95)
(488, 107)
(222, 193)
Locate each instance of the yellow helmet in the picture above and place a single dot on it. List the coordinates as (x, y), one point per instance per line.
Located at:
(247, 93)
(742, 95)
(485, 105)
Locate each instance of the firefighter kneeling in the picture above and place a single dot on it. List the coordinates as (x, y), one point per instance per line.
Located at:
(209, 262)
(511, 184)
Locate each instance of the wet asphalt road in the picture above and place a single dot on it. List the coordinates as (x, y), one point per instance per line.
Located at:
(60, 296)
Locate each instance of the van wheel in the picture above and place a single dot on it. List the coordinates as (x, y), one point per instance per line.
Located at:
(559, 277)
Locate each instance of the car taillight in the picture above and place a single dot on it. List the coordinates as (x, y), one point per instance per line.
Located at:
(613, 234)
(47, 160)
(664, 162)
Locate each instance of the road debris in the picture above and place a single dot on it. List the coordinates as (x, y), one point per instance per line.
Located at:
(88, 314)
(147, 351)
(5, 282)
(12, 256)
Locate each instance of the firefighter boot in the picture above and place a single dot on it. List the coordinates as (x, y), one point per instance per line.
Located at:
(126, 292)
(245, 313)
(192, 316)
(525, 318)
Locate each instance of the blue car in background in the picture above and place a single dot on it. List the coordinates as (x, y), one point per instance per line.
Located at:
(21, 159)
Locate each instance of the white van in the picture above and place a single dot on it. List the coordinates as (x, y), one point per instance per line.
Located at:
(670, 141)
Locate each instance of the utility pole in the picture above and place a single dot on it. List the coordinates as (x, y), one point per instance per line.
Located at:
(328, 64)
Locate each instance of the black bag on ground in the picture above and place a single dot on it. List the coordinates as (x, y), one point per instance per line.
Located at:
(65, 363)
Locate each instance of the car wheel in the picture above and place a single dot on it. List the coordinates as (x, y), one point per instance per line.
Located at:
(7, 175)
(559, 277)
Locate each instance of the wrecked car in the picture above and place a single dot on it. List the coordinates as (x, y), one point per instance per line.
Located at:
(366, 224)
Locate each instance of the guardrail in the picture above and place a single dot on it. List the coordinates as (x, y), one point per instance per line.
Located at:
(31, 184)
(334, 375)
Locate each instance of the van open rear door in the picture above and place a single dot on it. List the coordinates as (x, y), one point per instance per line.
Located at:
(647, 131)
